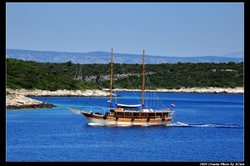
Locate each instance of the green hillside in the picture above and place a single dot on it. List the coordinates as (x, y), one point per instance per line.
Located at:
(31, 75)
(53, 76)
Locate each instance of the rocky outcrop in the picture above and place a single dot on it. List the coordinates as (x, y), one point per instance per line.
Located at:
(17, 101)
(19, 98)
(36, 92)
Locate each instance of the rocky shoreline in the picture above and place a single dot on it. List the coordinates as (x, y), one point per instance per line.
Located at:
(63, 93)
(237, 90)
(18, 99)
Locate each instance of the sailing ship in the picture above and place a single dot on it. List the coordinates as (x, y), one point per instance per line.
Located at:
(127, 114)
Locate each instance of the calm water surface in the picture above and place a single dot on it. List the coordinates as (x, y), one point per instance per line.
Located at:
(206, 127)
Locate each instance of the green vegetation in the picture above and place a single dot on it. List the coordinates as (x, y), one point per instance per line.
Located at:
(53, 76)
(33, 75)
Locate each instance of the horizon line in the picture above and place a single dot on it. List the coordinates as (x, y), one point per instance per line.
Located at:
(77, 52)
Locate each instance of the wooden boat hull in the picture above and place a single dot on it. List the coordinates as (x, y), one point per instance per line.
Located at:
(94, 119)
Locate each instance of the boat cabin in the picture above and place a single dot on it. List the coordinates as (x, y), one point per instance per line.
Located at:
(136, 112)
(138, 115)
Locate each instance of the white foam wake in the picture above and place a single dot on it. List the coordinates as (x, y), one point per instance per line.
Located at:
(181, 124)
(177, 124)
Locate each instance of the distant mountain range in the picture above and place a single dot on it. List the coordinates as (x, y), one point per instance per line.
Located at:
(100, 57)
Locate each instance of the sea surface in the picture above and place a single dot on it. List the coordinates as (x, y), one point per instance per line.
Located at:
(206, 128)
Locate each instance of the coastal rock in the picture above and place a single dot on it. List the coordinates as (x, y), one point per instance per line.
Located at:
(19, 98)
(237, 90)
(64, 92)
(17, 101)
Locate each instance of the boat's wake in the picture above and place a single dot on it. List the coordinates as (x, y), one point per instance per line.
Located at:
(177, 124)
(78, 112)
(181, 124)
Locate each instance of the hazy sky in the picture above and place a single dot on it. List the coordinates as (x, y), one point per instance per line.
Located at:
(167, 29)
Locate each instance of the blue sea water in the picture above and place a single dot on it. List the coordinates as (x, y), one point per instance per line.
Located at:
(206, 127)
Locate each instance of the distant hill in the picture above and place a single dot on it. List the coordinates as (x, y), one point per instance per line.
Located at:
(100, 57)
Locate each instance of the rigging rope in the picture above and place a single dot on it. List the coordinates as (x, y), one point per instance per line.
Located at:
(129, 83)
(155, 94)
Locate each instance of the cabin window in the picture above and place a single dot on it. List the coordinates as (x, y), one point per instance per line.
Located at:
(158, 114)
(120, 114)
(151, 115)
(128, 114)
(136, 115)
(144, 114)
(165, 114)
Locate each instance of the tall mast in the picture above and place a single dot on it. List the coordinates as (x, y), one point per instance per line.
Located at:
(111, 75)
(143, 78)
